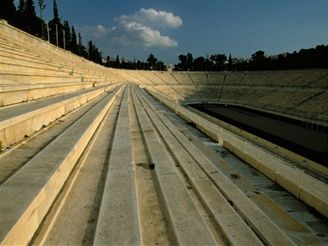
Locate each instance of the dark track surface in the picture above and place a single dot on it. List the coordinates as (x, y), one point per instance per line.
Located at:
(288, 133)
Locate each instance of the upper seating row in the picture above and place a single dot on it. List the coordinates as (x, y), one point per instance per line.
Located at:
(33, 69)
(27, 59)
(309, 78)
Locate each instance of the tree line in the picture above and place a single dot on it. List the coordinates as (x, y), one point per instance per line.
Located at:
(304, 59)
(55, 31)
(62, 34)
(152, 63)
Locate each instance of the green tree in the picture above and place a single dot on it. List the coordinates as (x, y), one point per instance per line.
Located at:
(68, 36)
(29, 9)
(117, 62)
(183, 62)
(73, 43)
(56, 18)
(56, 27)
(189, 62)
(229, 62)
(258, 56)
(152, 61)
(258, 60)
(20, 15)
(21, 6)
(219, 61)
(8, 10)
(199, 63)
(42, 6)
(28, 20)
(108, 63)
(80, 46)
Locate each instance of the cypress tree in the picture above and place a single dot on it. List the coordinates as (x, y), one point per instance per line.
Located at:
(68, 37)
(73, 42)
(42, 6)
(117, 62)
(21, 6)
(7, 10)
(107, 61)
(80, 46)
(21, 20)
(29, 9)
(55, 24)
(229, 62)
(56, 18)
(30, 23)
(91, 50)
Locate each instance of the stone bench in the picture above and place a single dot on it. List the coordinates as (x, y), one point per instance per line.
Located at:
(28, 195)
(23, 120)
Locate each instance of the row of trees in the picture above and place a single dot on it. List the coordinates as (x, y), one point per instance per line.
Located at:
(55, 31)
(305, 58)
(151, 64)
(216, 62)
(63, 35)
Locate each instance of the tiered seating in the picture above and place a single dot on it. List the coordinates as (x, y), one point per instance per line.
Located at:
(169, 92)
(317, 78)
(216, 78)
(288, 92)
(144, 78)
(274, 167)
(29, 73)
(35, 70)
(151, 76)
(234, 78)
(167, 78)
(199, 78)
(182, 77)
(139, 173)
(231, 95)
(255, 78)
(49, 63)
(317, 105)
(292, 99)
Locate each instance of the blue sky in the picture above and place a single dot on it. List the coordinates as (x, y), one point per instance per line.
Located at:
(166, 28)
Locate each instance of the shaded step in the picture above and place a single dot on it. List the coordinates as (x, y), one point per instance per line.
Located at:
(14, 158)
(19, 121)
(73, 217)
(118, 222)
(30, 192)
(180, 210)
(12, 94)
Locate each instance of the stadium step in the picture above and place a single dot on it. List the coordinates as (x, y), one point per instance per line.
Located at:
(22, 120)
(32, 189)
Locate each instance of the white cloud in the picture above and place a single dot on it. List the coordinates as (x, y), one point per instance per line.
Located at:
(96, 31)
(153, 17)
(140, 29)
(138, 33)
